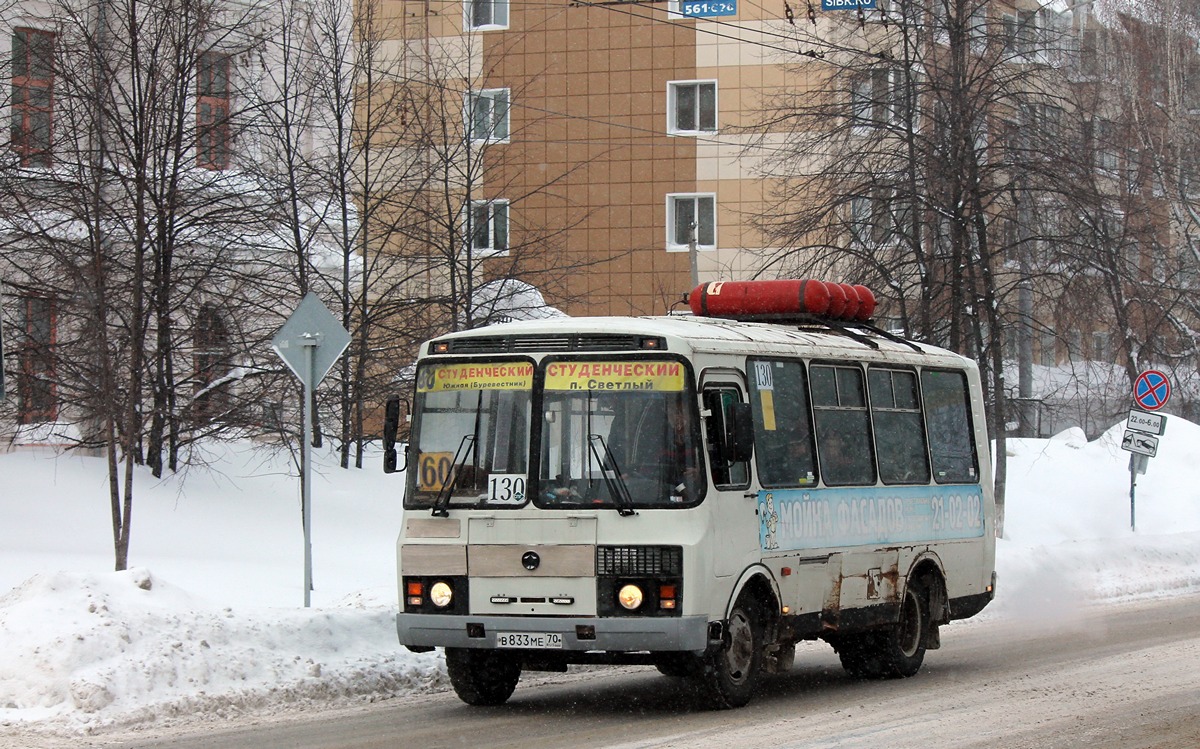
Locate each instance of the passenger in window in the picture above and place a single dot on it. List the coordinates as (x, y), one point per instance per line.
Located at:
(668, 464)
(837, 464)
(797, 458)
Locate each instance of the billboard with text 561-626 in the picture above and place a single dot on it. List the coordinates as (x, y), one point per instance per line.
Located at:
(708, 8)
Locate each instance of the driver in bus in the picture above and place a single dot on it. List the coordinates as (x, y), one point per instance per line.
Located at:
(678, 456)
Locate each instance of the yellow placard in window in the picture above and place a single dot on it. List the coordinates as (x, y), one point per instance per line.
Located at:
(660, 376)
(767, 400)
(432, 471)
(445, 377)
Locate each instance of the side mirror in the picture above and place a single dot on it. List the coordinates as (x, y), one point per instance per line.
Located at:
(739, 433)
(391, 425)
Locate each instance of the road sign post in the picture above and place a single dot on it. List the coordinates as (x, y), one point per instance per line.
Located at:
(1151, 391)
(309, 343)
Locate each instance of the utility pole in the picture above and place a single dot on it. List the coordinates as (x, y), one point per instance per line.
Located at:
(692, 258)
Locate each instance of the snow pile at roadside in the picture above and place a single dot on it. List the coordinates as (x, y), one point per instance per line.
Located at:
(210, 624)
(90, 651)
(1068, 540)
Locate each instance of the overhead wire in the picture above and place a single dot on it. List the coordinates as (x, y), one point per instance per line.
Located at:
(622, 8)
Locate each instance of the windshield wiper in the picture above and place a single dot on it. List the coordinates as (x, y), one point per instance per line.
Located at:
(457, 469)
(612, 477)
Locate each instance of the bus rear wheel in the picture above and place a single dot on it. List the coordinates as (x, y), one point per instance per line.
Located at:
(903, 649)
(482, 677)
(896, 651)
(731, 673)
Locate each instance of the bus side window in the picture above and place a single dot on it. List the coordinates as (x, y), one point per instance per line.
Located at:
(725, 474)
(782, 425)
(899, 432)
(843, 425)
(948, 420)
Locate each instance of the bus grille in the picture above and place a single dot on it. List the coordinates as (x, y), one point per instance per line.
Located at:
(639, 560)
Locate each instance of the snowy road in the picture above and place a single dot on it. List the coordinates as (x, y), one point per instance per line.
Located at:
(1114, 677)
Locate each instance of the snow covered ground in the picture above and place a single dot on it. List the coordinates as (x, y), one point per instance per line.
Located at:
(209, 623)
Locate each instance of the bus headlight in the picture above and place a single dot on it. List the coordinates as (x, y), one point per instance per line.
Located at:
(630, 596)
(441, 594)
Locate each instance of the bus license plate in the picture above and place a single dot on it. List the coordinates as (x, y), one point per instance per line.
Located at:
(528, 640)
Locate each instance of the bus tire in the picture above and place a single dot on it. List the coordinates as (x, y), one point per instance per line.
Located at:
(902, 644)
(896, 651)
(678, 665)
(730, 674)
(482, 677)
(860, 655)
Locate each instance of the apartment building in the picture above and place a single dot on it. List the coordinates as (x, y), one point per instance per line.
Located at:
(621, 129)
(635, 132)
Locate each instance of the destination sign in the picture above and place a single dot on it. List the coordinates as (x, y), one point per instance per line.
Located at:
(662, 376)
(475, 376)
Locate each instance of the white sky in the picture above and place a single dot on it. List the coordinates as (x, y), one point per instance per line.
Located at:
(210, 621)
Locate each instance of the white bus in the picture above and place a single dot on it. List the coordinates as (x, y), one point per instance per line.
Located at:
(698, 493)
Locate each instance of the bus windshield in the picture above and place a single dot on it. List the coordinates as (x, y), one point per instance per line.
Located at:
(618, 434)
(470, 436)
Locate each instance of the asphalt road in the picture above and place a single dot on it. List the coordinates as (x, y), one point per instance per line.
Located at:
(1115, 677)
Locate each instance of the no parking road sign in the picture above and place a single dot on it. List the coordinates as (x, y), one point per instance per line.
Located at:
(1151, 390)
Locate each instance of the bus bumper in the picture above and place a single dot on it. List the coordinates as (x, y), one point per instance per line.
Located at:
(632, 634)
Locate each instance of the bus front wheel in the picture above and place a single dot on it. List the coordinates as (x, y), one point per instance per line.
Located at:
(482, 677)
(730, 674)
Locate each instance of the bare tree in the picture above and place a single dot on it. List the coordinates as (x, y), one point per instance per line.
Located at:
(130, 225)
(924, 135)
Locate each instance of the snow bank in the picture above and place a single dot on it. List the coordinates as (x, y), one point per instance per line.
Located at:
(84, 652)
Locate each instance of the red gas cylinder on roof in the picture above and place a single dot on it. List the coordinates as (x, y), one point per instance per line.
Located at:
(852, 302)
(866, 299)
(782, 298)
(741, 298)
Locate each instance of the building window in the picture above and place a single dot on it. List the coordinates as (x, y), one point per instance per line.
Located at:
(862, 215)
(489, 228)
(32, 96)
(880, 97)
(879, 218)
(487, 115)
(1048, 345)
(1074, 345)
(486, 14)
(1021, 33)
(210, 359)
(688, 212)
(212, 110)
(1104, 145)
(37, 391)
(1101, 346)
(691, 107)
